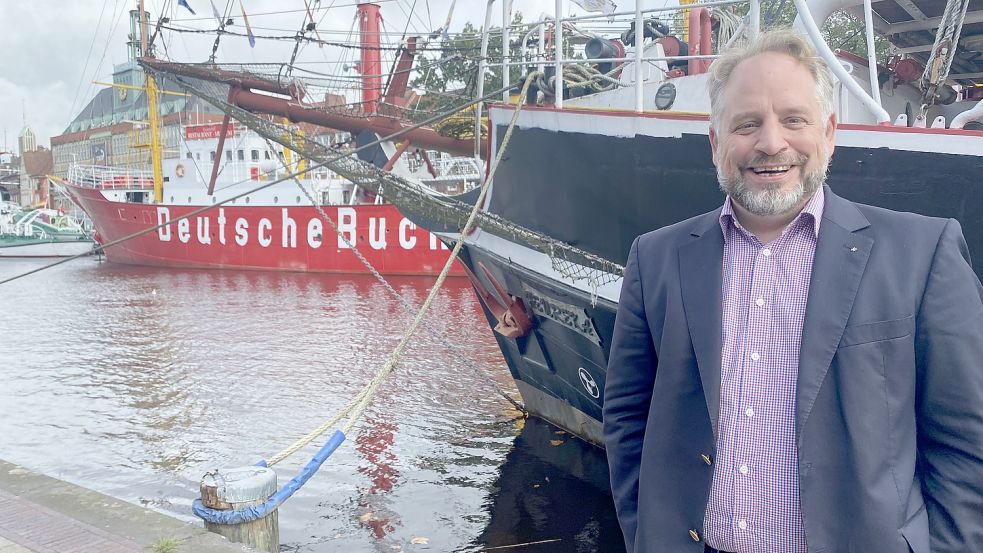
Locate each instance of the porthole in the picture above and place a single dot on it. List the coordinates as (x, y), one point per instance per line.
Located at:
(247, 199)
(276, 199)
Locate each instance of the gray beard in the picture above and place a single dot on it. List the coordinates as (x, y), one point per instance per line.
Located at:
(772, 201)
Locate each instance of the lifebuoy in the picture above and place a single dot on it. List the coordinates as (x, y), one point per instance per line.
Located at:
(179, 170)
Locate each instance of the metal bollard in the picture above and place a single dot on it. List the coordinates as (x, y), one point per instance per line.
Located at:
(237, 489)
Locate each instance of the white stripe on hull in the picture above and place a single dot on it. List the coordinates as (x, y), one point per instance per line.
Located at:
(626, 125)
(47, 249)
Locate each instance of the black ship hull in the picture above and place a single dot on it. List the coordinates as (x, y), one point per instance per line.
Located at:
(598, 192)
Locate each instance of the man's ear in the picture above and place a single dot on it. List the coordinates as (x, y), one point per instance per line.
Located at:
(713, 145)
(831, 133)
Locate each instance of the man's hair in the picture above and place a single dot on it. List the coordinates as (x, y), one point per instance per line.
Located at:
(782, 41)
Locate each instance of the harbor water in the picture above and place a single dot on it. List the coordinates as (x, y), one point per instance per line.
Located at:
(136, 381)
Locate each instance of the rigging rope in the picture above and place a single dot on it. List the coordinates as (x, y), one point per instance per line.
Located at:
(410, 197)
(943, 51)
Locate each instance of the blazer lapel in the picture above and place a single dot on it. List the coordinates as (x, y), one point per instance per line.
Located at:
(700, 264)
(839, 263)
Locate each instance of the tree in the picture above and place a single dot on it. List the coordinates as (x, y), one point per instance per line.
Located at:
(449, 76)
(842, 31)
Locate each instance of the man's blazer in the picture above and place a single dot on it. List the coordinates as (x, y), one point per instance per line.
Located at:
(889, 403)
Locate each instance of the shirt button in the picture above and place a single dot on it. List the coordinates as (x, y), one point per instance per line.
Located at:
(766, 252)
(755, 356)
(749, 412)
(742, 524)
(744, 470)
(694, 535)
(760, 302)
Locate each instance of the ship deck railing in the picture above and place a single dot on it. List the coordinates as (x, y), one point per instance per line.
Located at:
(109, 178)
(683, 19)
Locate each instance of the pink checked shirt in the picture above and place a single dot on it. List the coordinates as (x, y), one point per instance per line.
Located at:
(754, 499)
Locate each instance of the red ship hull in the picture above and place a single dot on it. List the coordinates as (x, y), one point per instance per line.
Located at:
(277, 238)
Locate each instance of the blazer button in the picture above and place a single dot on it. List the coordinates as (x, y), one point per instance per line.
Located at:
(694, 535)
(706, 459)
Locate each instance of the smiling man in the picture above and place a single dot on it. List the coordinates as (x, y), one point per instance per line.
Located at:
(795, 372)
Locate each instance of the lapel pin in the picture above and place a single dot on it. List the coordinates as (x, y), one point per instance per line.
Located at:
(853, 248)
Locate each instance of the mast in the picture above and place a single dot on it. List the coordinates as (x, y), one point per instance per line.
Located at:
(155, 147)
(369, 19)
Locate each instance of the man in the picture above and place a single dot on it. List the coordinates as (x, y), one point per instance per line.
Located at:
(794, 372)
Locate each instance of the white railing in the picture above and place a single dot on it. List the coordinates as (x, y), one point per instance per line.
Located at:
(98, 176)
(561, 27)
(456, 168)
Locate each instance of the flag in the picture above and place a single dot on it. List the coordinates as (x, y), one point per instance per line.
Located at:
(603, 6)
(186, 5)
(447, 22)
(249, 30)
(218, 16)
(442, 31)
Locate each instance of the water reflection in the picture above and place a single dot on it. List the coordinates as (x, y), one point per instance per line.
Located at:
(553, 494)
(136, 381)
(375, 444)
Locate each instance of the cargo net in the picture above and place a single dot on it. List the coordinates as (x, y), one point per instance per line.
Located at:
(411, 197)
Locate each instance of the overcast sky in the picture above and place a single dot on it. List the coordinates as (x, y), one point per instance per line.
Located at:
(52, 50)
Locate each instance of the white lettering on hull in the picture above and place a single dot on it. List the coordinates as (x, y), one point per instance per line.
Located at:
(242, 231)
(263, 230)
(289, 231)
(406, 240)
(377, 239)
(184, 231)
(315, 233)
(436, 244)
(221, 225)
(346, 227)
(204, 238)
(164, 216)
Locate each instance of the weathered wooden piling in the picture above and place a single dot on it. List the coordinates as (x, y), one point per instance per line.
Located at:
(239, 489)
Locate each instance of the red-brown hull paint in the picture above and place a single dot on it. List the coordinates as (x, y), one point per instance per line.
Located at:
(278, 238)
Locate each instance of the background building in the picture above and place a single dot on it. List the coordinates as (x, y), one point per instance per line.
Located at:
(112, 129)
(9, 177)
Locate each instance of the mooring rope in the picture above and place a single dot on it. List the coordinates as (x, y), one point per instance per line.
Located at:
(362, 400)
(358, 405)
(393, 360)
(436, 334)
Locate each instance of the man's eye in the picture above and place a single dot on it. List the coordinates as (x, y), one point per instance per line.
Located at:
(795, 121)
(746, 126)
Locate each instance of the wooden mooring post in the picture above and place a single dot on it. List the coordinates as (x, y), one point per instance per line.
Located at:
(237, 489)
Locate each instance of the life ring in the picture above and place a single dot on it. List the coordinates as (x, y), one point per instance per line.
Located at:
(179, 170)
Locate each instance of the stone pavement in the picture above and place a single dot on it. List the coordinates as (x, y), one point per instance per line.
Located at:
(39, 514)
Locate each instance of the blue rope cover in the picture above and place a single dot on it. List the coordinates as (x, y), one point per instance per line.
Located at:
(257, 512)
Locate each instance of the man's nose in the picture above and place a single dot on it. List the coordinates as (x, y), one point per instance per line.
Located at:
(771, 138)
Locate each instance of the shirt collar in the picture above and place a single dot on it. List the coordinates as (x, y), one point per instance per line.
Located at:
(811, 212)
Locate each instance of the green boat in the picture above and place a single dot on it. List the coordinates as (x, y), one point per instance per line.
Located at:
(40, 233)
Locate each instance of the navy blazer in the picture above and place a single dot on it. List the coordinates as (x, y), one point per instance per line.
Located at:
(889, 402)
